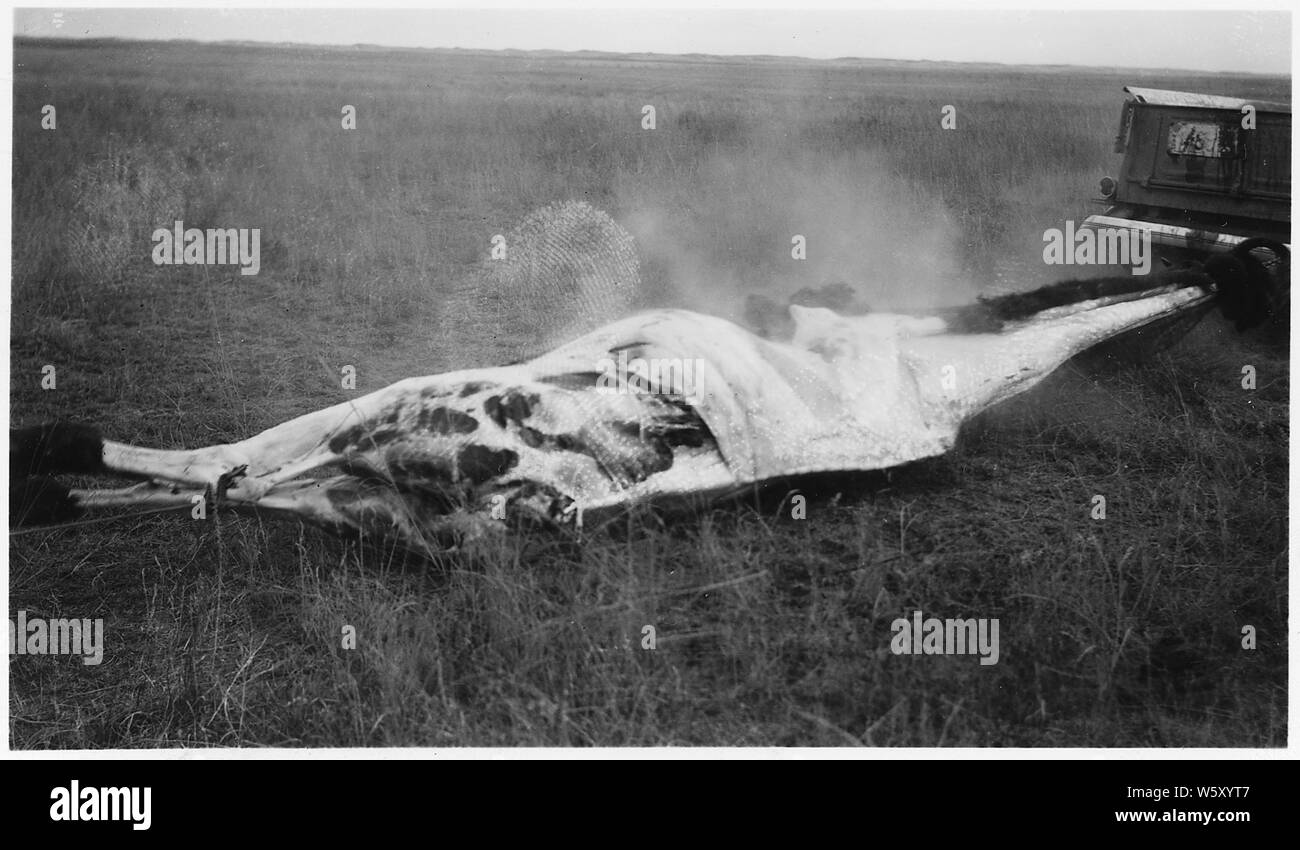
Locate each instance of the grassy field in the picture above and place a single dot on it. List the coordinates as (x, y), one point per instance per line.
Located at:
(770, 630)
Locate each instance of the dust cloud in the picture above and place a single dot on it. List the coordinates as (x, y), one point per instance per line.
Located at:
(724, 232)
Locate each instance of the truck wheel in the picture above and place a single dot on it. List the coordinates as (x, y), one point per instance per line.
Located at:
(1253, 281)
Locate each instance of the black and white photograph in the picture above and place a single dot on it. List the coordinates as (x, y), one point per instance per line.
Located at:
(649, 379)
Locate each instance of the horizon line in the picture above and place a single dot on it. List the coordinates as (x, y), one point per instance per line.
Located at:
(613, 53)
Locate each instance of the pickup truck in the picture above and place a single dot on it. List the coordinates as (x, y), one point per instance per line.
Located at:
(1204, 175)
(1201, 173)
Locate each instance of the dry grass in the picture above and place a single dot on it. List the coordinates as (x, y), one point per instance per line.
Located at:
(770, 630)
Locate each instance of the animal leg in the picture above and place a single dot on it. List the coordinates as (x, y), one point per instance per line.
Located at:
(80, 449)
(144, 495)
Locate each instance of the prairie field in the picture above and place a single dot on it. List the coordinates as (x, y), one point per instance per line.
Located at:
(770, 630)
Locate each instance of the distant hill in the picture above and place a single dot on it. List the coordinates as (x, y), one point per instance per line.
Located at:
(656, 58)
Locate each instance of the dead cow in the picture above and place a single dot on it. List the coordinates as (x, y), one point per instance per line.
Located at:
(429, 459)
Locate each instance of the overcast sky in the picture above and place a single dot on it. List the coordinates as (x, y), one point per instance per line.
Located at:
(1174, 38)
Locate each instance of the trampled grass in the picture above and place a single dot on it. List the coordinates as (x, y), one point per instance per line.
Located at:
(769, 629)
